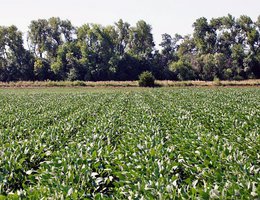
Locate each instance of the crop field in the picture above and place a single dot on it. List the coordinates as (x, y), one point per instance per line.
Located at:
(130, 143)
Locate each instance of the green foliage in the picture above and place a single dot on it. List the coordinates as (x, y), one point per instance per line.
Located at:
(216, 81)
(41, 69)
(182, 70)
(141, 39)
(121, 144)
(73, 75)
(146, 79)
(78, 83)
(93, 52)
(16, 63)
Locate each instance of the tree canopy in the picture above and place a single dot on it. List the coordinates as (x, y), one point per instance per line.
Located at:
(225, 48)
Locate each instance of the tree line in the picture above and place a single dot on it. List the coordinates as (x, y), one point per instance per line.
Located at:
(225, 48)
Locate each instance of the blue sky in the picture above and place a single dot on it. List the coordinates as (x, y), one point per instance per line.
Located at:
(165, 16)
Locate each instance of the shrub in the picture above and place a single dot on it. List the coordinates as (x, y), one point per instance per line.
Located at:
(78, 83)
(146, 79)
(216, 81)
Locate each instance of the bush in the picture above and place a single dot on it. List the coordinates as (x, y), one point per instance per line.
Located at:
(78, 83)
(216, 81)
(146, 79)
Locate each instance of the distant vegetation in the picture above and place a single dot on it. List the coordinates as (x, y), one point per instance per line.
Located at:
(133, 84)
(222, 48)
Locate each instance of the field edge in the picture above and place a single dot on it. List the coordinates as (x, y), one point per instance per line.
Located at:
(158, 83)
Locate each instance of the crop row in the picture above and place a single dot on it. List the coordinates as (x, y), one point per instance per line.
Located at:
(143, 144)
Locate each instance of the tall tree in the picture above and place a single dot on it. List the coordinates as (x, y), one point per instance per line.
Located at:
(123, 32)
(204, 36)
(37, 37)
(15, 60)
(141, 40)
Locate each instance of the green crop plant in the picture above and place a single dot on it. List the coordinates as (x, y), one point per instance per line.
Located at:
(158, 143)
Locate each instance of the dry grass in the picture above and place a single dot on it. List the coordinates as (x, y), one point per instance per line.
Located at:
(24, 84)
(253, 82)
(165, 83)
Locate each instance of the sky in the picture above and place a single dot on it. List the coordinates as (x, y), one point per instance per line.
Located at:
(165, 16)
